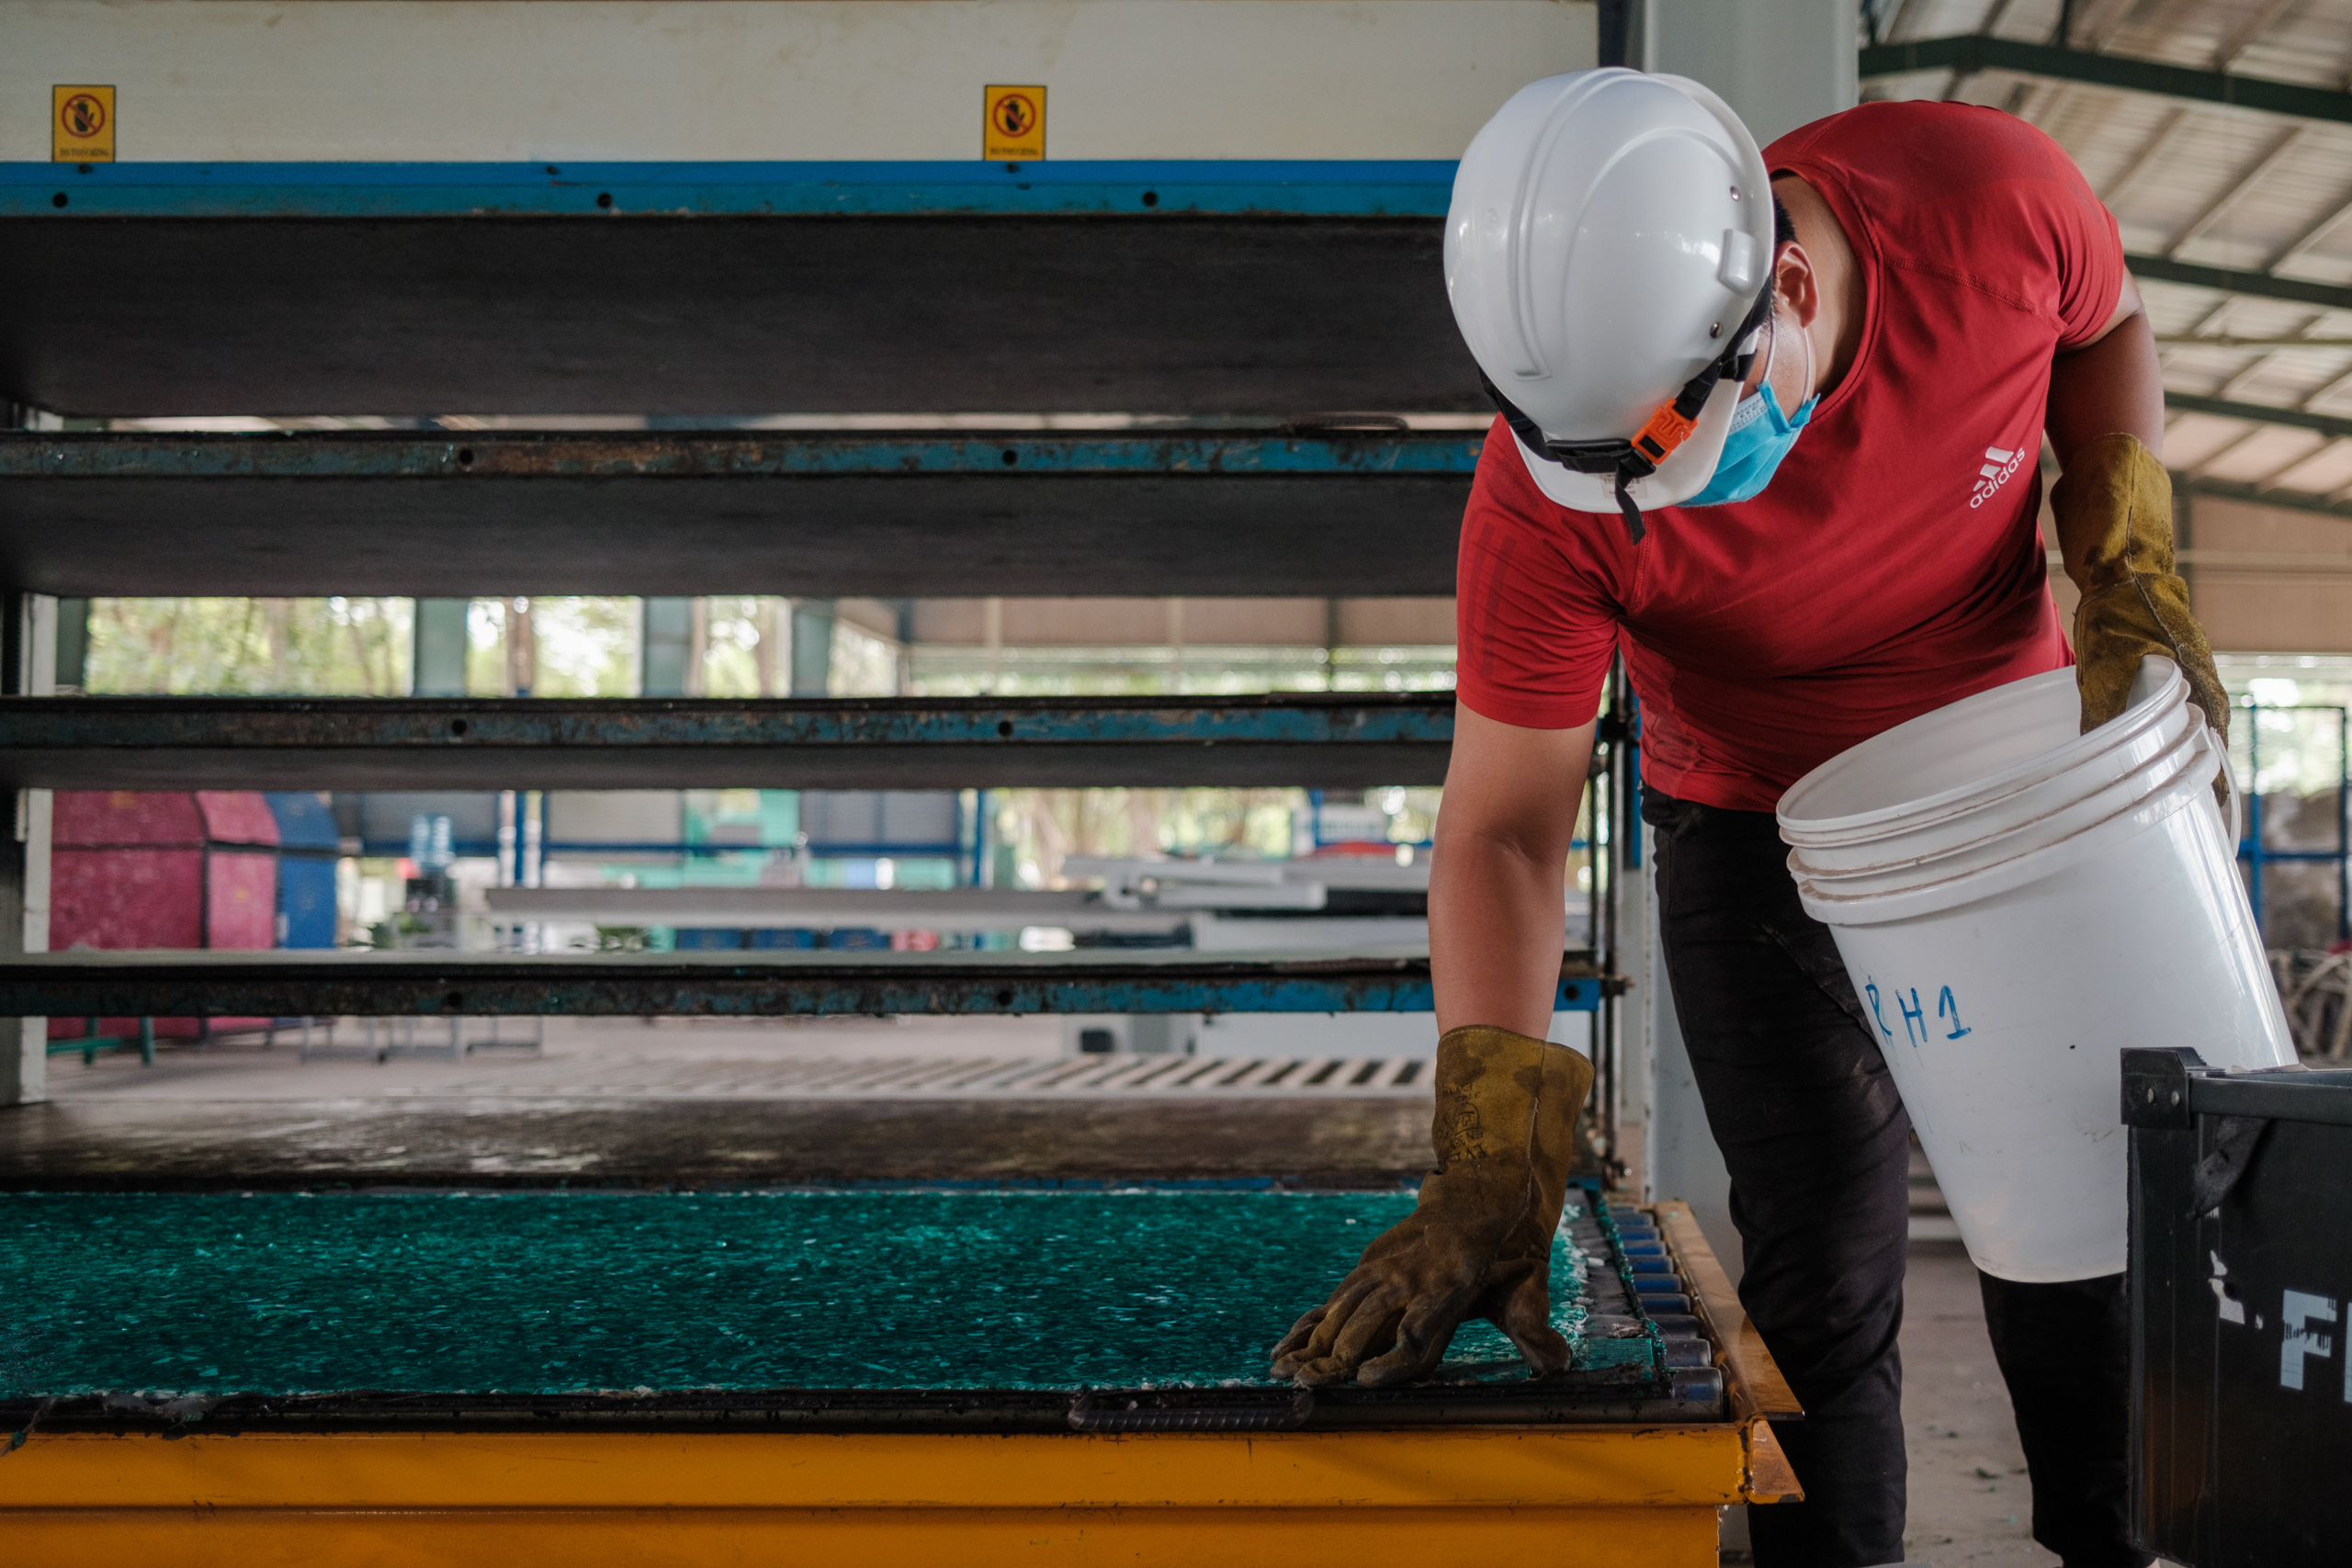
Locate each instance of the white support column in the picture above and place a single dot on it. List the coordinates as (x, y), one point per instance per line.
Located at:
(1781, 63)
(1683, 1160)
(24, 857)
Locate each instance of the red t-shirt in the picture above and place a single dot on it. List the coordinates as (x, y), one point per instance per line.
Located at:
(1893, 563)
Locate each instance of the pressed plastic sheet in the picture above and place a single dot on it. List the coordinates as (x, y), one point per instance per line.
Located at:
(278, 1293)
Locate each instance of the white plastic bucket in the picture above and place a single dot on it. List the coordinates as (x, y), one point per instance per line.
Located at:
(2010, 941)
(1921, 750)
(2005, 833)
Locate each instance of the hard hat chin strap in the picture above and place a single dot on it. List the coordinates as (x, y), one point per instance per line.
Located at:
(1660, 435)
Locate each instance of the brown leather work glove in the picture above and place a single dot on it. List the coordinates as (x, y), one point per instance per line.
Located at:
(2114, 509)
(1478, 1244)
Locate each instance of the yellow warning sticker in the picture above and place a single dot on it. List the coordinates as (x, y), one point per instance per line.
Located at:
(1014, 132)
(81, 125)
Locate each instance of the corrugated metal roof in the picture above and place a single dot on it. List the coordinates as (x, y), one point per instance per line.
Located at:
(2208, 184)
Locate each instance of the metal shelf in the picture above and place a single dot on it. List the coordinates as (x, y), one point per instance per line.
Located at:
(604, 191)
(86, 984)
(385, 743)
(912, 513)
(702, 289)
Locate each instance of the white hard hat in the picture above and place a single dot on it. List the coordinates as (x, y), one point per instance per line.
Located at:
(1609, 256)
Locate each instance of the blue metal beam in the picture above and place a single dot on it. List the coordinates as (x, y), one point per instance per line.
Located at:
(1369, 188)
(666, 513)
(388, 743)
(725, 454)
(179, 985)
(1968, 54)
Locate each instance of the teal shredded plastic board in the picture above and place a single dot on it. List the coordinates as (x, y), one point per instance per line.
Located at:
(564, 1292)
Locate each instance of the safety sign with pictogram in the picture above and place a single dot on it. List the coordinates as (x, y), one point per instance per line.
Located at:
(1013, 127)
(81, 125)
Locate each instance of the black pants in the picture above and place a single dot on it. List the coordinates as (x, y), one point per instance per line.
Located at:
(1818, 1147)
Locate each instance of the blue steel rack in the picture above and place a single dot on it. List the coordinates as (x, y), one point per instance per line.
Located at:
(728, 288)
(2256, 854)
(893, 513)
(1141, 187)
(728, 983)
(1174, 272)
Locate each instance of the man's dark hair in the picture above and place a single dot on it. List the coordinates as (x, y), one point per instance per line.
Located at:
(1784, 227)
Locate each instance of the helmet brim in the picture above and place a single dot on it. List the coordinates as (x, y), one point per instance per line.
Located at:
(1683, 475)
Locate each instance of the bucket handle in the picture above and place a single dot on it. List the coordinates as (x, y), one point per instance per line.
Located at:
(2237, 795)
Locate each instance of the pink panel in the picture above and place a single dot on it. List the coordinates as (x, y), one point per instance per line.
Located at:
(128, 1028)
(241, 900)
(240, 894)
(99, 816)
(151, 897)
(237, 817)
(126, 897)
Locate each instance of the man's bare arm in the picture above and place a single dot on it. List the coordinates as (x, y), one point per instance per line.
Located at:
(2112, 384)
(1496, 916)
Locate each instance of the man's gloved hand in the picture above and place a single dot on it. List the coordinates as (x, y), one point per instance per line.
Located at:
(1478, 1244)
(2114, 507)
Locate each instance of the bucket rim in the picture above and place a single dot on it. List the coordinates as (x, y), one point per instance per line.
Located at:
(2144, 781)
(1972, 823)
(1945, 894)
(2170, 695)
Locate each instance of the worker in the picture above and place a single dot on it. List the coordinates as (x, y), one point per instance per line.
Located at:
(1770, 429)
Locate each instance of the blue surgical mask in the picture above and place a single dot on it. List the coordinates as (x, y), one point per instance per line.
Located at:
(1760, 436)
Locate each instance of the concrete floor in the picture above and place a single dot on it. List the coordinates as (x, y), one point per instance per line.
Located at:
(1969, 1503)
(615, 1101)
(618, 1102)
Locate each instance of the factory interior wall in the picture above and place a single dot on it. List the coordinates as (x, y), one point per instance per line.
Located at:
(2247, 607)
(2261, 578)
(529, 79)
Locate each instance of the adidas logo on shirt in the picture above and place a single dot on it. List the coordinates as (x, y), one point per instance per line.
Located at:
(1999, 466)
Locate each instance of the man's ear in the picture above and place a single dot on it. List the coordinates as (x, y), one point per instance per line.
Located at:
(1796, 284)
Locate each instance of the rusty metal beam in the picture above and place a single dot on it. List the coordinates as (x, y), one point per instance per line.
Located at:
(909, 514)
(394, 743)
(85, 984)
(333, 303)
(482, 456)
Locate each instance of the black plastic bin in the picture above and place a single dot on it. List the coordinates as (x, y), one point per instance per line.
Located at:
(2241, 1299)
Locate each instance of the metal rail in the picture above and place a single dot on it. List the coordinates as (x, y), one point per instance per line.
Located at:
(2335, 426)
(394, 743)
(1147, 189)
(721, 454)
(1970, 53)
(2230, 280)
(902, 514)
(892, 515)
(2258, 855)
(702, 315)
(2262, 495)
(84, 983)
